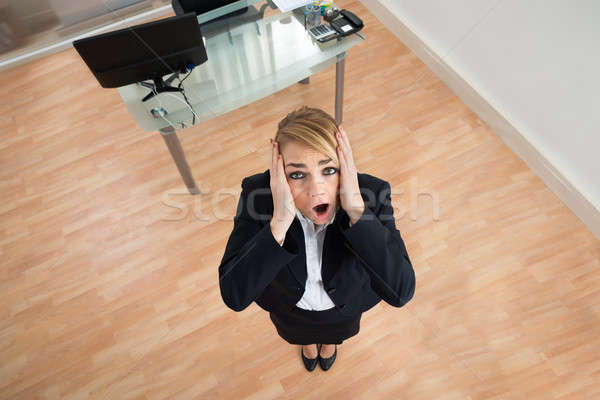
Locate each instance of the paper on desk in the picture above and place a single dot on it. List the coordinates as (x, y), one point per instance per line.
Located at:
(287, 5)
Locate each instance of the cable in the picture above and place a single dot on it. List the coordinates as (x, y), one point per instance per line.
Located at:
(184, 102)
(161, 106)
(183, 92)
(183, 125)
(191, 108)
(184, 78)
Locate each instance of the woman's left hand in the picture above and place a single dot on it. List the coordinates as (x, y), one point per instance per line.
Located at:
(350, 197)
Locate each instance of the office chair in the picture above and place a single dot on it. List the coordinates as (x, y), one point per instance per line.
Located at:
(225, 22)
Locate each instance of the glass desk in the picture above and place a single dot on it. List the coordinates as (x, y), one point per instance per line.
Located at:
(245, 64)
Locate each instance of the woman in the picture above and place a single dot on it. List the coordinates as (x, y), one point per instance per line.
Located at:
(314, 242)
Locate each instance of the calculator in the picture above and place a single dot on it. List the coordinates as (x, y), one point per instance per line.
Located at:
(322, 33)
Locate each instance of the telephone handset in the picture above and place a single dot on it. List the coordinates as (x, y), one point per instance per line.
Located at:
(347, 24)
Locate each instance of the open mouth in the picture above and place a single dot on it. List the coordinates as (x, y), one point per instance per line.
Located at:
(321, 209)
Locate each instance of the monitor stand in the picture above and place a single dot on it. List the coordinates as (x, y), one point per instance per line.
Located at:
(160, 86)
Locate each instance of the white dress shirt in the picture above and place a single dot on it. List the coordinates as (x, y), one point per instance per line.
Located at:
(315, 297)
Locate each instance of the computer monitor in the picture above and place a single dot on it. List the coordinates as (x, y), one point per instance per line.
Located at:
(147, 51)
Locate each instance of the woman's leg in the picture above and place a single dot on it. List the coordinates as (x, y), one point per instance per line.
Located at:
(327, 350)
(310, 350)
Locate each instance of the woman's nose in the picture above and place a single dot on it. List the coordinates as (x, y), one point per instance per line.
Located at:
(316, 187)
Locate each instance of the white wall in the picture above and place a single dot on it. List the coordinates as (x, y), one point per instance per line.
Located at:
(537, 62)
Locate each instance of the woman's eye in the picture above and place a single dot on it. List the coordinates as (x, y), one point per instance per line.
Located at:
(300, 175)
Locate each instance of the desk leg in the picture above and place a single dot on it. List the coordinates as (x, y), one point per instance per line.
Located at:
(339, 86)
(172, 141)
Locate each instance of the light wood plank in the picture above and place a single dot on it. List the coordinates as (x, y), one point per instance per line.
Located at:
(103, 297)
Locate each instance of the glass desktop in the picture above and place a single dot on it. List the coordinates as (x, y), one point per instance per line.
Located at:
(244, 64)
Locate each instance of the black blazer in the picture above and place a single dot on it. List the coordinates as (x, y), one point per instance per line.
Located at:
(361, 264)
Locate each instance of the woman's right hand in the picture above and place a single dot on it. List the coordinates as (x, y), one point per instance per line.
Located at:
(284, 208)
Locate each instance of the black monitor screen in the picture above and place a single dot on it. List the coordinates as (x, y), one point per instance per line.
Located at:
(143, 51)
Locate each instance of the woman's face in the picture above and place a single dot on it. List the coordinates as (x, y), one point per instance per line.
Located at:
(313, 179)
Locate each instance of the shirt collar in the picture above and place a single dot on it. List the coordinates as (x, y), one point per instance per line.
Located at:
(307, 221)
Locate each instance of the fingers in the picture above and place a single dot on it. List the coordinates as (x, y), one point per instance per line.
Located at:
(344, 143)
(345, 137)
(340, 139)
(341, 157)
(277, 161)
(274, 159)
(342, 150)
(281, 169)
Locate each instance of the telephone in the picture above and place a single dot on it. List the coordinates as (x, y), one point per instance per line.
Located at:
(347, 24)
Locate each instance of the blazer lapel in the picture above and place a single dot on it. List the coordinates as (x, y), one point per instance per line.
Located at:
(333, 245)
(298, 265)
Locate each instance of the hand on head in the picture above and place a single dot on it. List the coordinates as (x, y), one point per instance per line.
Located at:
(350, 198)
(284, 208)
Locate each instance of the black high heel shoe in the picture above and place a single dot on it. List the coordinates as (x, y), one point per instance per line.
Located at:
(310, 363)
(326, 363)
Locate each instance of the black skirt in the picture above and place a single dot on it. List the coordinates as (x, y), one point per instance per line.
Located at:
(302, 326)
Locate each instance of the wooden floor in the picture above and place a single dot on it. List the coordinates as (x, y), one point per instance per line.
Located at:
(109, 285)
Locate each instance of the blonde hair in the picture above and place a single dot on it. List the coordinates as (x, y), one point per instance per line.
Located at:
(311, 127)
